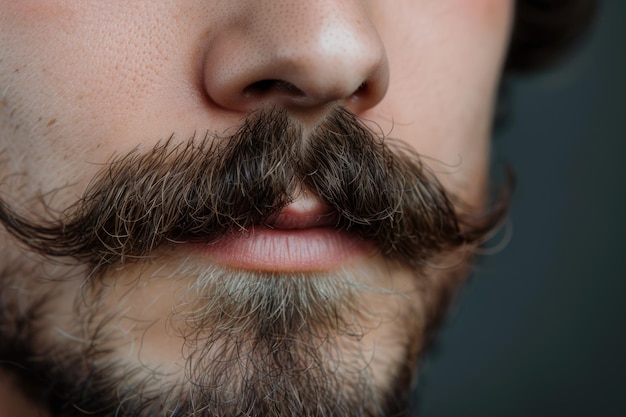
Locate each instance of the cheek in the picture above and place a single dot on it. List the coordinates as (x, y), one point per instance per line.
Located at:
(487, 13)
(445, 68)
(72, 80)
(34, 13)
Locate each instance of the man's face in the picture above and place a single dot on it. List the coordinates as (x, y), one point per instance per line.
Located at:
(221, 234)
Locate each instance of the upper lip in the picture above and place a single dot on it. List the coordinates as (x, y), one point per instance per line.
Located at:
(306, 211)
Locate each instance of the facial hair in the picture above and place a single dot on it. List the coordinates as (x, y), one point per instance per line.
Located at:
(274, 351)
(202, 189)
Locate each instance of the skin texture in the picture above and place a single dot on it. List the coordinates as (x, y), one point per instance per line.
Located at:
(81, 82)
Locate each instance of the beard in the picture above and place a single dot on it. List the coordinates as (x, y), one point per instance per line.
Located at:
(252, 343)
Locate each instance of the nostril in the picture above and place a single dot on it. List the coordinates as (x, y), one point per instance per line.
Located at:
(264, 87)
(362, 90)
(260, 86)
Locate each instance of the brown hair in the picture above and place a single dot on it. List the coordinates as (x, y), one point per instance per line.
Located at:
(545, 30)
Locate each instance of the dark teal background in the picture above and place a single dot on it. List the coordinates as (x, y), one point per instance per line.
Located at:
(540, 328)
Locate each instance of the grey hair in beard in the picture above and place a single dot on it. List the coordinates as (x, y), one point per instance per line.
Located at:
(285, 344)
(255, 345)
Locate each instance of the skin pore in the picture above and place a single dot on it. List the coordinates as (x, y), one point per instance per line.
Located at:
(84, 84)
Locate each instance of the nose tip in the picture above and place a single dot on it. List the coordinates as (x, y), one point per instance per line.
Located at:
(297, 54)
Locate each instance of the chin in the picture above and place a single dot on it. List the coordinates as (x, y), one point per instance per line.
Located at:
(181, 336)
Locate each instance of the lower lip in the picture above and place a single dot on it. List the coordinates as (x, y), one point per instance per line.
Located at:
(265, 249)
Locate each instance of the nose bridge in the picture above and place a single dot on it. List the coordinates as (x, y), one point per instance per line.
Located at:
(306, 53)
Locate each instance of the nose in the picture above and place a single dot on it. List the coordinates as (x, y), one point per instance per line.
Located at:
(295, 54)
